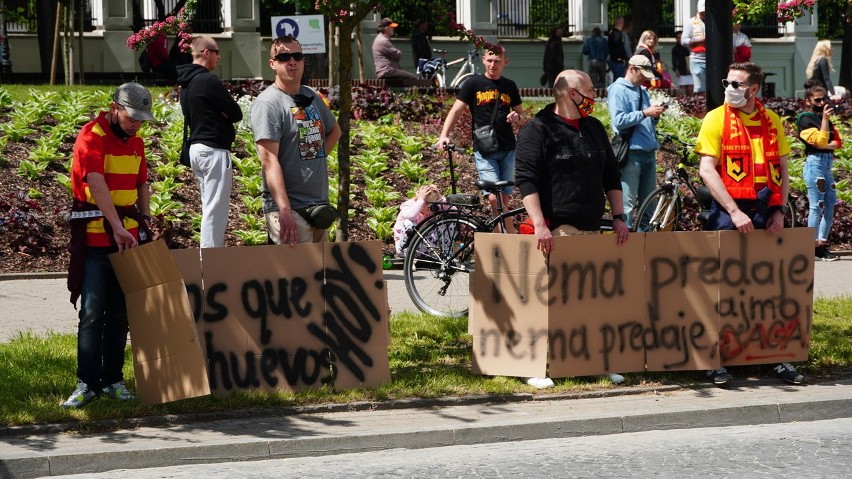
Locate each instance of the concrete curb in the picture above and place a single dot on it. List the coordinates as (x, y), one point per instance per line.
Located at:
(516, 427)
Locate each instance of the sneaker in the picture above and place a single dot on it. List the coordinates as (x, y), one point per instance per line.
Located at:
(719, 376)
(80, 397)
(118, 391)
(540, 383)
(788, 373)
(822, 253)
(616, 378)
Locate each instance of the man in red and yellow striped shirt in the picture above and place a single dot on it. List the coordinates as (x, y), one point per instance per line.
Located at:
(109, 181)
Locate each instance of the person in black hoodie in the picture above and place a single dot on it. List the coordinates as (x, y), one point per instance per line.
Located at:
(211, 112)
(565, 169)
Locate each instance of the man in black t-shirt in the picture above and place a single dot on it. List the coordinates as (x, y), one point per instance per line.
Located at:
(480, 93)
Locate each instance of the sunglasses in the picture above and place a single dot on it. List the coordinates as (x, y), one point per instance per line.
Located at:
(285, 57)
(819, 100)
(302, 101)
(735, 84)
(212, 50)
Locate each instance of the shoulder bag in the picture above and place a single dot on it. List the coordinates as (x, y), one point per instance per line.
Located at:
(485, 137)
(621, 141)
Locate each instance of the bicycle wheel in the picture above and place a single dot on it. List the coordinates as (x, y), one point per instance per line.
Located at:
(790, 218)
(438, 265)
(659, 212)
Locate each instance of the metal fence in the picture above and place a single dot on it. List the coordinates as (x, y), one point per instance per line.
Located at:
(532, 18)
(208, 16)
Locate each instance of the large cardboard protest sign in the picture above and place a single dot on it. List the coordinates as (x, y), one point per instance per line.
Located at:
(167, 357)
(290, 317)
(661, 302)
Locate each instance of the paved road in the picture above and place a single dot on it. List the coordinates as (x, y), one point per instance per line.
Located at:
(807, 449)
(41, 305)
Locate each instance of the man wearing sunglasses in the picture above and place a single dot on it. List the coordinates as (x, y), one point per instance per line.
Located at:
(210, 111)
(294, 131)
(386, 57)
(743, 151)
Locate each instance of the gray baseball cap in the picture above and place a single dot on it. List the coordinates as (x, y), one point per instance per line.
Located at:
(136, 99)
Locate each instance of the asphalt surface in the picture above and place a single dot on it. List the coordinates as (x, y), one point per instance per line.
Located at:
(40, 304)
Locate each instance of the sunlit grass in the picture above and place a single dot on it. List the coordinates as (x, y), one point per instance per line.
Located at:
(429, 358)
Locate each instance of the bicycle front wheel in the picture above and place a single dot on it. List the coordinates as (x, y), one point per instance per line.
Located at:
(438, 265)
(659, 212)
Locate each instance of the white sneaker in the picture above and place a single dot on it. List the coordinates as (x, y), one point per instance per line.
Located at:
(616, 378)
(540, 383)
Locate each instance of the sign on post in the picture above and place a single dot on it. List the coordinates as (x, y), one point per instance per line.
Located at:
(308, 29)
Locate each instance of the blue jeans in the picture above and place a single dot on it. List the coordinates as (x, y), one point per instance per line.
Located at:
(638, 180)
(820, 200)
(498, 166)
(699, 75)
(102, 334)
(618, 70)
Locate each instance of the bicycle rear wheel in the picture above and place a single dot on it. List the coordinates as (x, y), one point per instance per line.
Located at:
(439, 263)
(659, 212)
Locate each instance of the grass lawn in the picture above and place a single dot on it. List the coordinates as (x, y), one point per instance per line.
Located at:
(429, 357)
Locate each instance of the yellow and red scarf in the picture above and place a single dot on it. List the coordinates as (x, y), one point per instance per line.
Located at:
(742, 172)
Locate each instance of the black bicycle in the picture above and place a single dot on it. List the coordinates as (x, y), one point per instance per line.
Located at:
(439, 258)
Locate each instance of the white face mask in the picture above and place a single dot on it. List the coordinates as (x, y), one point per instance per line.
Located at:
(735, 97)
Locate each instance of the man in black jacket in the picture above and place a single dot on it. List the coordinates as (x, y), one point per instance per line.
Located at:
(618, 54)
(211, 112)
(420, 42)
(565, 168)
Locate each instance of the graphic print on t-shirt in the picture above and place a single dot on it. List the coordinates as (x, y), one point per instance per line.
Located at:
(311, 135)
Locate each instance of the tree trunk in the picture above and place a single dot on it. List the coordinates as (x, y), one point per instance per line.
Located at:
(46, 19)
(846, 56)
(344, 164)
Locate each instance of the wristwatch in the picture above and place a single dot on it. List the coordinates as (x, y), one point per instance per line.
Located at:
(622, 217)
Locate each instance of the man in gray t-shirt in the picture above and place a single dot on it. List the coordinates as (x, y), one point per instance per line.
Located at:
(294, 131)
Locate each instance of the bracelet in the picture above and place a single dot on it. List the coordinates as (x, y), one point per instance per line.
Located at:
(147, 218)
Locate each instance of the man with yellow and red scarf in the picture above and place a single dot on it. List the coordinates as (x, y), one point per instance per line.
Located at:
(743, 153)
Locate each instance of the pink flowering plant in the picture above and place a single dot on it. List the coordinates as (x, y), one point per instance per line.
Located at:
(787, 10)
(172, 25)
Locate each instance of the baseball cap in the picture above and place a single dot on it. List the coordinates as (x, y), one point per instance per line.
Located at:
(387, 22)
(644, 65)
(700, 7)
(136, 99)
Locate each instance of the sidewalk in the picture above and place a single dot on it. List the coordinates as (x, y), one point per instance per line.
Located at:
(419, 424)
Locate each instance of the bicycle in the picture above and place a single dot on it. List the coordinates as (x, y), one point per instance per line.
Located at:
(662, 210)
(439, 257)
(436, 69)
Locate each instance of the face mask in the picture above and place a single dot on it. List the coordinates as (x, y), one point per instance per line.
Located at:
(586, 106)
(735, 97)
(818, 108)
(116, 128)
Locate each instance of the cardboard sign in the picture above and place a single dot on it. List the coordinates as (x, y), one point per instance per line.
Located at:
(661, 302)
(167, 357)
(279, 317)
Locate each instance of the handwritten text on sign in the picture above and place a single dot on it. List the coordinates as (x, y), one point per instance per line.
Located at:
(667, 301)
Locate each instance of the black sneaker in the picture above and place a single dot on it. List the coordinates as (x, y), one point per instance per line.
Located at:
(719, 376)
(788, 373)
(821, 253)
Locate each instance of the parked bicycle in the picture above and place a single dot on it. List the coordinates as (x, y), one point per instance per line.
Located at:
(436, 69)
(663, 210)
(439, 258)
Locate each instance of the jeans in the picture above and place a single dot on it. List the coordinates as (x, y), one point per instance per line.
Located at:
(498, 166)
(638, 180)
(699, 74)
(820, 200)
(102, 334)
(758, 210)
(618, 70)
(212, 167)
